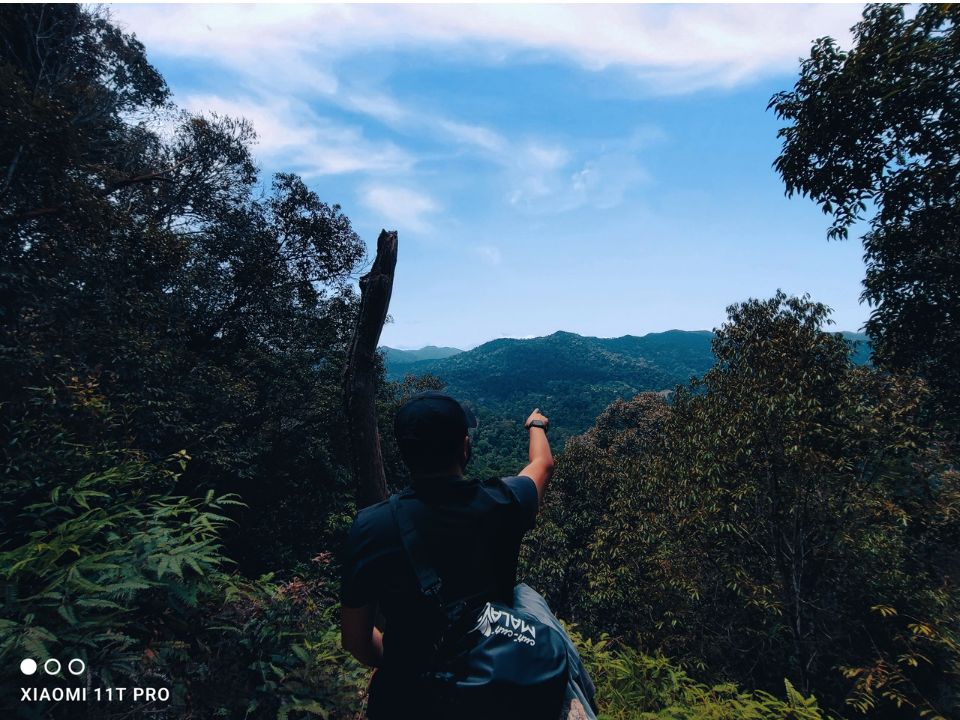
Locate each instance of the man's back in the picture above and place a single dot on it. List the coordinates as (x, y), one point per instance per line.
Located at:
(470, 530)
(472, 533)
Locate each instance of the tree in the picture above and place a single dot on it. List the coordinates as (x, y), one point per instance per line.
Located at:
(361, 376)
(791, 502)
(583, 552)
(141, 257)
(875, 135)
(758, 527)
(172, 331)
(70, 78)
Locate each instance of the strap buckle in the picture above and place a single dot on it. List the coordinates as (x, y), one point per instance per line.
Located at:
(433, 591)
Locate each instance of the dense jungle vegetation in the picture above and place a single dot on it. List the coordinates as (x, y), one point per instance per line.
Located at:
(779, 540)
(569, 376)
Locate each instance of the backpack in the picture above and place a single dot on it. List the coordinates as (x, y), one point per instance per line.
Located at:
(490, 660)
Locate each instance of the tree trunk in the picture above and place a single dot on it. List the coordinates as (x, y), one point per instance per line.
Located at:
(359, 384)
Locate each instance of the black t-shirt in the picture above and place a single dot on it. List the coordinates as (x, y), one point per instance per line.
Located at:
(471, 532)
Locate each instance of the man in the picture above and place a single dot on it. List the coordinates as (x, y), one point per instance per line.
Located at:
(473, 531)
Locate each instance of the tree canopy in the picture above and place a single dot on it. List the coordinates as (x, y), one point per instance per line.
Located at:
(762, 524)
(145, 264)
(874, 136)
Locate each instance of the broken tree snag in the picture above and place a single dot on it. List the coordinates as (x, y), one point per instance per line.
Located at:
(359, 384)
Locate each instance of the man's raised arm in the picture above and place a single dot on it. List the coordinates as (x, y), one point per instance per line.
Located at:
(540, 467)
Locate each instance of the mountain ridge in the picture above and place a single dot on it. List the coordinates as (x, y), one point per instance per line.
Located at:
(570, 377)
(423, 358)
(428, 352)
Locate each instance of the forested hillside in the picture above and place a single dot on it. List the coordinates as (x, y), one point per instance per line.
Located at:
(569, 376)
(780, 539)
(397, 358)
(497, 370)
(677, 354)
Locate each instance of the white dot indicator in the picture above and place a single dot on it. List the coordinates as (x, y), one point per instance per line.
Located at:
(28, 666)
(80, 663)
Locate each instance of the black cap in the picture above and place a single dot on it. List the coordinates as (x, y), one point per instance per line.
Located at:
(430, 416)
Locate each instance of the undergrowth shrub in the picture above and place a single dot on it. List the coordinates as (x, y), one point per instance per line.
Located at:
(132, 580)
(634, 686)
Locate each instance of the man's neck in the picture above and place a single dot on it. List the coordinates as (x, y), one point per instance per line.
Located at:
(450, 473)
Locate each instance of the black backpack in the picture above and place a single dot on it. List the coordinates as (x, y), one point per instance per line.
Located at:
(490, 660)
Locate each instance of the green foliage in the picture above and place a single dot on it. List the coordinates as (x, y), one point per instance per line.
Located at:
(582, 553)
(395, 358)
(69, 77)
(634, 686)
(134, 584)
(875, 128)
(159, 304)
(914, 665)
(570, 377)
(272, 650)
(142, 256)
(105, 567)
(748, 530)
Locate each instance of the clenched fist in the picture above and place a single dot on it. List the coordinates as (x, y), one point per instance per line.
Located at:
(536, 419)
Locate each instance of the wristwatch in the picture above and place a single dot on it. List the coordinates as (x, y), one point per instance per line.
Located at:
(538, 423)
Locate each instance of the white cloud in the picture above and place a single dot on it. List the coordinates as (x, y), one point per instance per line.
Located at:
(391, 112)
(552, 179)
(293, 136)
(545, 157)
(400, 207)
(266, 43)
(380, 106)
(671, 48)
(278, 52)
(540, 176)
(489, 254)
(533, 172)
(477, 135)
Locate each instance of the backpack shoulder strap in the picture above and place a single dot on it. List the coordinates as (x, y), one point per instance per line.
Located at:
(415, 551)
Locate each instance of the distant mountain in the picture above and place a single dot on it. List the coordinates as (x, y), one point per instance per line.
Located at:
(570, 377)
(499, 369)
(395, 357)
(860, 343)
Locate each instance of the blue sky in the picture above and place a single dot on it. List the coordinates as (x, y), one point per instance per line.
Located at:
(599, 169)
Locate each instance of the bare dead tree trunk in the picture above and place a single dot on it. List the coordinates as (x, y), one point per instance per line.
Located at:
(359, 382)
